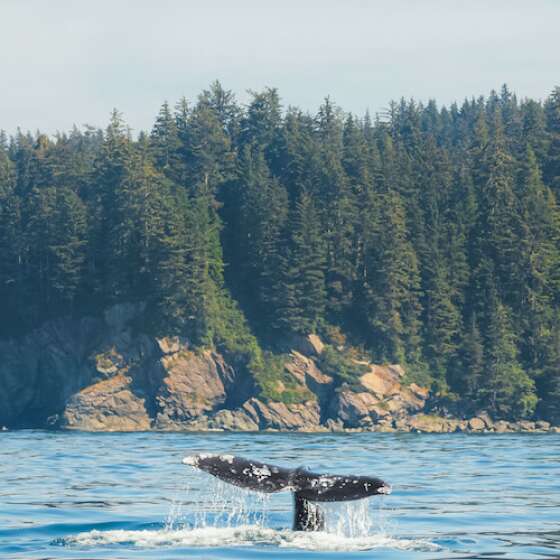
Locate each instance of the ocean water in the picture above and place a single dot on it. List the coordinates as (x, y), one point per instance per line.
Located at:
(78, 495)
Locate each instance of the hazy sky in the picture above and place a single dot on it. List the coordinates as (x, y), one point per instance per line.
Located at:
(65, 62)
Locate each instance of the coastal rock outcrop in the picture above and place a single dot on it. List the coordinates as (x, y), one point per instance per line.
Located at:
(102, 374)
(378, 395)
(191, 385)
(109, 405)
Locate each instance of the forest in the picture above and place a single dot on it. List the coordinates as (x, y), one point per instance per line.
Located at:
(427, 236)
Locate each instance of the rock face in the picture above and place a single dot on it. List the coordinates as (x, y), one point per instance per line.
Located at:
(280, 416)
(109, 405)
(100, 374)
(380, 395)
(39, 372)
(192, 385)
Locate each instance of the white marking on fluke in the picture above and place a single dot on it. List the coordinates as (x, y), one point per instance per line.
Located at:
(194, 460)
(261, 472)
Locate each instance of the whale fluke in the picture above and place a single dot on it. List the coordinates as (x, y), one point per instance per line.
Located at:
(308, 487)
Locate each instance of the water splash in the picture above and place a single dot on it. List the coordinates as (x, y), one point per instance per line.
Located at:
(246, 536)
(211, 513)
(223, 506)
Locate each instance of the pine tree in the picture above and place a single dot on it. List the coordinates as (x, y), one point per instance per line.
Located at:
(303, 281)
(171, 295)
(393, 307)
(548, 379)
(497, 238)
(537, 256)
(261, 124)
(164, 142)
(442, 323)
(68, 247)
(204, 278)
(552, 162)
(263, 210)
(107, 249)
(506, 389)
(206, 149)
(12, 301)
(466, 373)
(338, 211)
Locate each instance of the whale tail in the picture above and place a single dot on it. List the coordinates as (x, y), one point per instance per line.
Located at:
(308, 516)
(308, 487)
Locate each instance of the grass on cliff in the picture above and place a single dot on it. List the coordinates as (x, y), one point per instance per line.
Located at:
(232, 335)
(341, 366)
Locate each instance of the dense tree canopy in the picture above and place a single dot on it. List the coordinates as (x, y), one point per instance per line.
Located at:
(429, 236)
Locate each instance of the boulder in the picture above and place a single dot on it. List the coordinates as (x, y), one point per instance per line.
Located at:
(109, 405)
(307, 373)
(379, 394)
(385, 383)
(283, 416)
(501, 426)
(316, 344)
(382, 381)
(334, 425)
(192, 385)
(171, 344)
(356, 408)
(462, 426)
(485, 417)
(233, 420)
(402, 424)
(431, 424)
(526, 426)
(476, 424)
(308, 345)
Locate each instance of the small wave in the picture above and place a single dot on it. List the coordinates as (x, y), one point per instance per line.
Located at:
(245, 536)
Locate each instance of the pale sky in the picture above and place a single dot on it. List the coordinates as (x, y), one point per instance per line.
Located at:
(65, 62)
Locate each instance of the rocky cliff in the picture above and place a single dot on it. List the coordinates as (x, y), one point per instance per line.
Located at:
(102, 374)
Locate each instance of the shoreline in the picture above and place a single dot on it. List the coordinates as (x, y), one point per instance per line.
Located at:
(446, 426)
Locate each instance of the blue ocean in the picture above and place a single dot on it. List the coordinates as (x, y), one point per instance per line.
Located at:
(80, 495)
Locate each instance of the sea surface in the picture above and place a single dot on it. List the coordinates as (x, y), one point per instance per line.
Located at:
(117, 496)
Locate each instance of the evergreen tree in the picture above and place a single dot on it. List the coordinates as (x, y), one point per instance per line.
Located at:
(393, 308)
(303, 279)
(164, 142)
(552, 162)
(68, 246)
(107, 249)
(263, 211)
(429, 235)
(506, 389)
(11, 265)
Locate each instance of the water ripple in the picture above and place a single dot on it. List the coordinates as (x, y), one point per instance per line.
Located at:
(100, 496)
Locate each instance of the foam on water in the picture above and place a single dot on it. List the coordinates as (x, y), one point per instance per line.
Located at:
(229, 516)
(246, 535)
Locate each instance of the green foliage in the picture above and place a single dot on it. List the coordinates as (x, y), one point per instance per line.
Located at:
(233, 336)
(430, 237)
(303, 296)
(341, 366)
(506, 388)
(277, 384)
